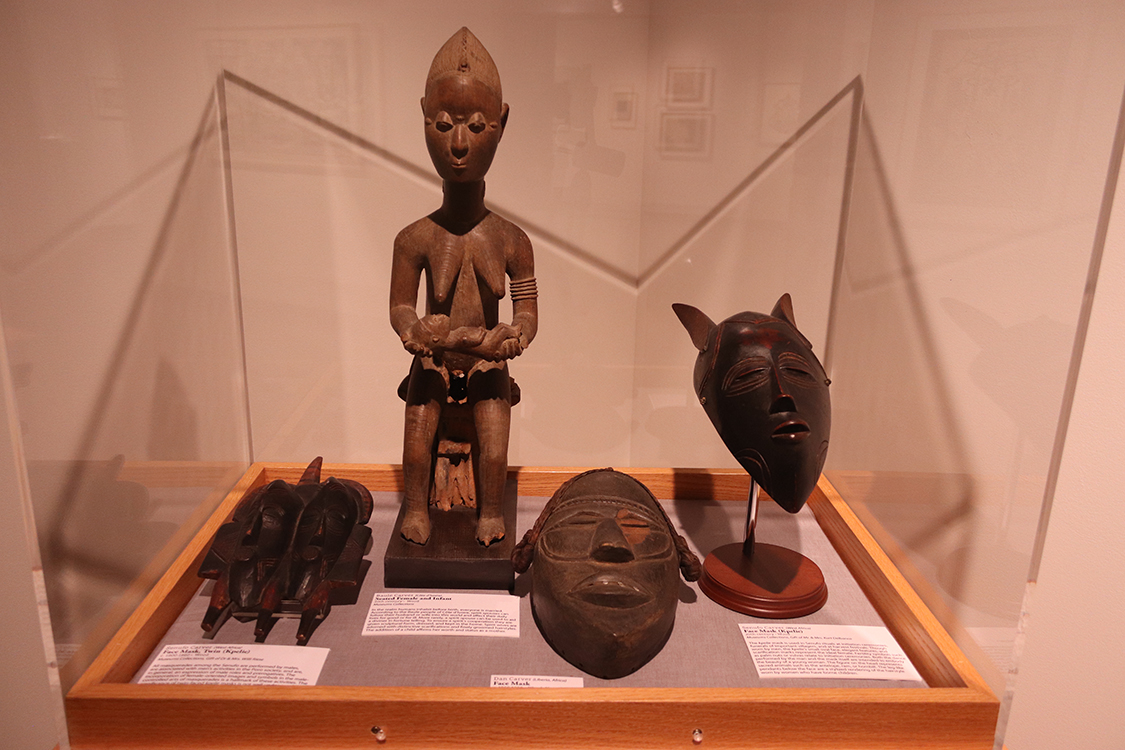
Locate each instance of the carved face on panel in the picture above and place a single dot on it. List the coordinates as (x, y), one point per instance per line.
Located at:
(322, 531)
(606, 576)
(263, 540)
(766, 394)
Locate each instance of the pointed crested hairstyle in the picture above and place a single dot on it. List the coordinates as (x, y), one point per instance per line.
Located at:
(463, 54)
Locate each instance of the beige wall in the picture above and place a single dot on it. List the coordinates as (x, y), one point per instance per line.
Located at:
(979, 179)
(1068, 693)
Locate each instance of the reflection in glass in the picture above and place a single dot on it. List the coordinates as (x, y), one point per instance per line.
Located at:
(134, 428)
(945, 460)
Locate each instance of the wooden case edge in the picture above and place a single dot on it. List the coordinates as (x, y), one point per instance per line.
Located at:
(958, 710)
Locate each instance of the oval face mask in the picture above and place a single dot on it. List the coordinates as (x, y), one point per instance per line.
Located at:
(606, 577)
(766, 393)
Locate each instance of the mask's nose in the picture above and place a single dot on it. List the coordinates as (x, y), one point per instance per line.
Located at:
(609, 544)
(782, 401)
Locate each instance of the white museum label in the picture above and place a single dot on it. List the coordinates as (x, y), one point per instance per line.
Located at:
(493, 615)
(858, 652)
(535, 681)
(233, 664)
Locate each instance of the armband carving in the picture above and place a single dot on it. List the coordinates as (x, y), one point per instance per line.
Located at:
(524, 289)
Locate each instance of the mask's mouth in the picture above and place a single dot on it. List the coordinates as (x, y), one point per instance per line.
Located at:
(608, 591)
(791, 431)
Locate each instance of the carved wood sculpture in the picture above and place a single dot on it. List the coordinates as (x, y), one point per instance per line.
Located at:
(606, 577)
(766, 393)
(458, 394)
(285, 549)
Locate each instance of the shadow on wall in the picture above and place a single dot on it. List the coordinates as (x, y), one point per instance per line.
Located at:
(174, 429)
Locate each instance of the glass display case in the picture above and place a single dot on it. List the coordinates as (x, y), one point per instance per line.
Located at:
(205, 286)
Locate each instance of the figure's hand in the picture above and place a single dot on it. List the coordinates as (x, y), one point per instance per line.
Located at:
(509, 349)
(427, 334)
(501, 343)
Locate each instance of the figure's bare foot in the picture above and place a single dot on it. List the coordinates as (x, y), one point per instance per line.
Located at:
(490, 529)
(416, 526)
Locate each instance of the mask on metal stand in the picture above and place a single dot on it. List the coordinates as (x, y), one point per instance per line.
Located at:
(766, 394)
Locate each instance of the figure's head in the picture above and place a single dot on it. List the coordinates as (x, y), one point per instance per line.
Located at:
(606, 577)
(464, 109)
(767, 395)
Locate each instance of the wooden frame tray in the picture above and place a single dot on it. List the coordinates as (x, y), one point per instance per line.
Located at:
(957, 710)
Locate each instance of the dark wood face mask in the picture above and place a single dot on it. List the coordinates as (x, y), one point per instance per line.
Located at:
(606, 575)
(766, 393)
(284, 550)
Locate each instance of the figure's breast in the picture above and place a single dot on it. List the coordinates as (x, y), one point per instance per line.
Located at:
(468, 274)
(446, 260)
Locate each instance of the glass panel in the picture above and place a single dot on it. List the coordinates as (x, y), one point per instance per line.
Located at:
(125, 349)
(318, 210)
(322, 207)
(777, 232)
(972, 221)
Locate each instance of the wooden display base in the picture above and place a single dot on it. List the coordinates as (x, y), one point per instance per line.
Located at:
(957, 710)
(776, 582)
(453, 558)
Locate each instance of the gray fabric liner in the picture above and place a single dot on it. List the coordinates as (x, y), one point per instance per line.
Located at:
(704, 650)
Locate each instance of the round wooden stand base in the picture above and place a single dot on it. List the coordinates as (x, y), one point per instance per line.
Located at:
(777, 582)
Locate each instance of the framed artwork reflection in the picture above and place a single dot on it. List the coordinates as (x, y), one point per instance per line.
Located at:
(685, 135)
(688, 87)
(623, 111)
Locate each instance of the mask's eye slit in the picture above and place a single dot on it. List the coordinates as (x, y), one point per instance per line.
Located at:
(746, 375)
(796, 368)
